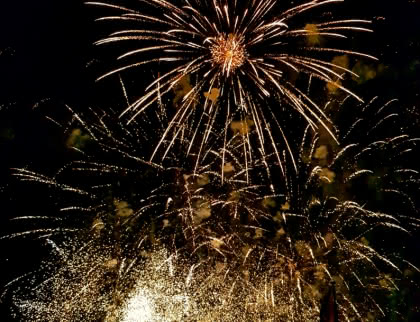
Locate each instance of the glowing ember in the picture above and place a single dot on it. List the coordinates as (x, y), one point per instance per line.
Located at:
(228, 52)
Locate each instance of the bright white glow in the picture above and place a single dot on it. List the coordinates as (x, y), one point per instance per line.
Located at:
(139, 308)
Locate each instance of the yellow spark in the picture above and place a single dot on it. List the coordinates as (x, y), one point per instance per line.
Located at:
(228, 52)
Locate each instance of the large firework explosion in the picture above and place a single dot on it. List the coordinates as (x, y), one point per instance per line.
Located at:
(195, 247)
(237, 61)
(233, 218)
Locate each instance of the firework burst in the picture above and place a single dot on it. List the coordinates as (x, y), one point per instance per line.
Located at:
(236, 55)
(197, 246)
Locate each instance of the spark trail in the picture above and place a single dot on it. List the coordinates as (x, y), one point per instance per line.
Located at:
(239, 57)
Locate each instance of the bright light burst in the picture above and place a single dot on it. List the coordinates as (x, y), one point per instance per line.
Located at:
(139, 308)
(244, 51)
(228, 52)
(194, 246)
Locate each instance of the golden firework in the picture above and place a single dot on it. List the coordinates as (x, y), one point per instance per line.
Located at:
(228, 52)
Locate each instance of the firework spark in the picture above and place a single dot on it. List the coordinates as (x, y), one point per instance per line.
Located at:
(243, 52)
(229, 53)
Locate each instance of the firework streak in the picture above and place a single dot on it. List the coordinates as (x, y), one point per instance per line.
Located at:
(238, 61)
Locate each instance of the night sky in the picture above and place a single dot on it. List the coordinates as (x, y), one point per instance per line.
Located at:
(46, 53)
(47, 60)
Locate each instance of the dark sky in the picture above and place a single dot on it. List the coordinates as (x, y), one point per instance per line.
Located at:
(46, 52)
(45, 49)
(45, 45)
(46, 55)
(50, 42)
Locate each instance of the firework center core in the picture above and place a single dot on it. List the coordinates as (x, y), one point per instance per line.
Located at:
(228, 52)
